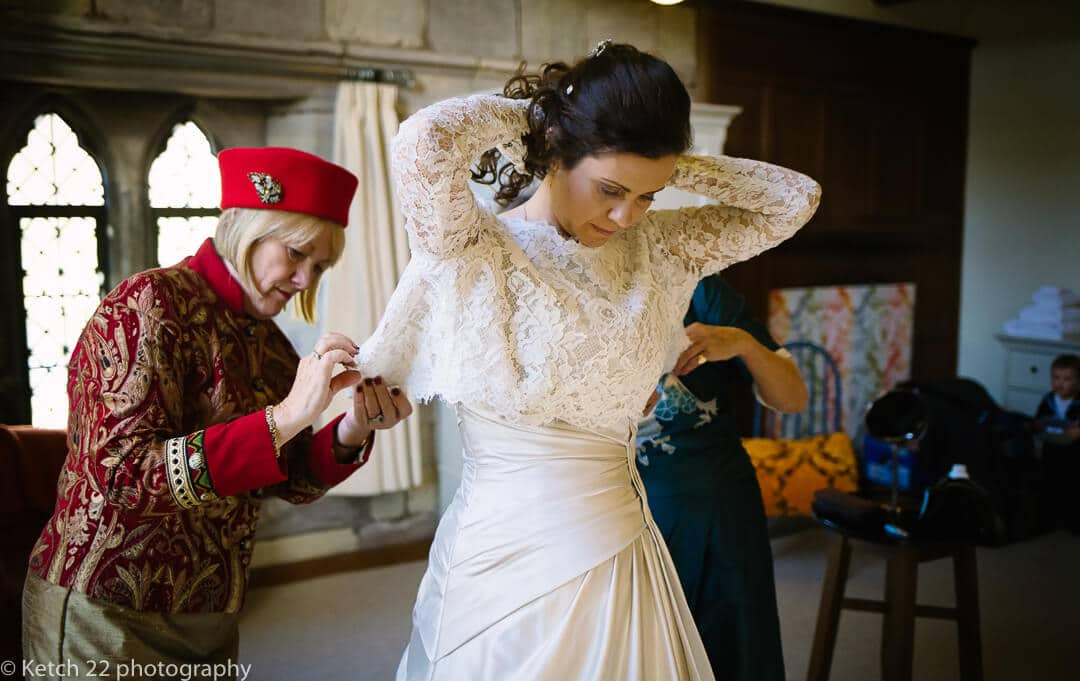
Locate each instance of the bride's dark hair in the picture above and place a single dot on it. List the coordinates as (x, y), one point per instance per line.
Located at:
(618, 99)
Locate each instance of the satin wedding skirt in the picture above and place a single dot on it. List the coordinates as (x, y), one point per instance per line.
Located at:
(547, 566)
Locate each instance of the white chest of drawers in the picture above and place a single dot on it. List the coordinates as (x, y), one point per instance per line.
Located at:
(1027, 369)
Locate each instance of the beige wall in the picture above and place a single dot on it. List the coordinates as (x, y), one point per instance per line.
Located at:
(443, 35)
(1022, 210)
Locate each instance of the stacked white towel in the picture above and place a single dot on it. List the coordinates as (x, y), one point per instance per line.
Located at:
(1053, 295)
(1054, 314)
(1045, 314)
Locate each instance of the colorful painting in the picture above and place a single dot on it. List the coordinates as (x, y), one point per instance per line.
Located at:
(866, 329)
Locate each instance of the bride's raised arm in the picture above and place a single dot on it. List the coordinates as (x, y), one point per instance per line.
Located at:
(760, 205)
(431, 157)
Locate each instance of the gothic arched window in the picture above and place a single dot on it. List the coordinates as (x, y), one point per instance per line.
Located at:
(185, 191)
(56, 195)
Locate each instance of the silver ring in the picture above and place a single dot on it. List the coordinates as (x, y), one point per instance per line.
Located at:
(377, 418)
(316, 353)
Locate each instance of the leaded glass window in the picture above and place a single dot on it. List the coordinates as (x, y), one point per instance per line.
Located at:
(185, 191)
(57, 197)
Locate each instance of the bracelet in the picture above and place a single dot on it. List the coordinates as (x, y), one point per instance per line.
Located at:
(272, 427)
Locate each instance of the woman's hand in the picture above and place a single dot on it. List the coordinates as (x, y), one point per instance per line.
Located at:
(316, 384)
(376, 406)
(779, 384)
(711, 344)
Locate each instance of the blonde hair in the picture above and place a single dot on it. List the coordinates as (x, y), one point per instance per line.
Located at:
(239, 231)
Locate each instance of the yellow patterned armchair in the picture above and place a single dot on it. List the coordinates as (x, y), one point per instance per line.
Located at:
(795, 455)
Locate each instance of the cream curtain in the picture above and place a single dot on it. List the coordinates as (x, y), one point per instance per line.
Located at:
(376, 252)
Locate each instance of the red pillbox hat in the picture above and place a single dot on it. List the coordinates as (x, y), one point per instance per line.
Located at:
(278, 178)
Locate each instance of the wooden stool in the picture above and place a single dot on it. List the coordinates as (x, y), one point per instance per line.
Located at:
(899, 607)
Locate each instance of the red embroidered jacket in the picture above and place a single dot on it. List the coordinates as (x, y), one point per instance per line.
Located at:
(168, 447)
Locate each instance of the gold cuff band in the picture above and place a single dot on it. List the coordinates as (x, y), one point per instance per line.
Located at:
(179, 476)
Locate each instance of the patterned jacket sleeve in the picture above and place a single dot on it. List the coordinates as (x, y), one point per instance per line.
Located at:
(312, 469)
(759, 206)
(430, 160)
(126, 384)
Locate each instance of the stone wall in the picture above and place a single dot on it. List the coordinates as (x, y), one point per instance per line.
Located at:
(444, 33)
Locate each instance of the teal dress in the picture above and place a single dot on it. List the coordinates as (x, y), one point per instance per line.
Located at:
(705, 498)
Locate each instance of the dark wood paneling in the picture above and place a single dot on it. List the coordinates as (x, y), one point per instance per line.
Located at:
(878, 115)
(796, 128)
(849, 157)
(899, 158)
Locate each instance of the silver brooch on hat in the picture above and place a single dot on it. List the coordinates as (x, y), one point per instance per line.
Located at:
(267, 187)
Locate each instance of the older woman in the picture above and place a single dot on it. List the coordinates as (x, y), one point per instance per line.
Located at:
(188, 405)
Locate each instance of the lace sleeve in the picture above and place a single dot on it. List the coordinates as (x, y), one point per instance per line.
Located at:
(760, 205)
(430, 159)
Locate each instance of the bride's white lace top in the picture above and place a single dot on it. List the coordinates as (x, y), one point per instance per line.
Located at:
(507, 316)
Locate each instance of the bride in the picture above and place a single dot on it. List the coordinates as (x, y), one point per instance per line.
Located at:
(546, 326)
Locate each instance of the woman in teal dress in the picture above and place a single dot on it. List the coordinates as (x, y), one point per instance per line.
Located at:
(701, 486)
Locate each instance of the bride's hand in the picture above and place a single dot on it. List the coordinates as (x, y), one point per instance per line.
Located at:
(376, 406)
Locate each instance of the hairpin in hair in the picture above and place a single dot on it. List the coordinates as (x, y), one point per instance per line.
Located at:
(601, 46)
(569, 89)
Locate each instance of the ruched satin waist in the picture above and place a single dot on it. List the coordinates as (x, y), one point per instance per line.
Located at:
(537, 506)
(518, 464)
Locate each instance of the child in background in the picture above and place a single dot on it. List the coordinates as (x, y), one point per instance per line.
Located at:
(1058, 421)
